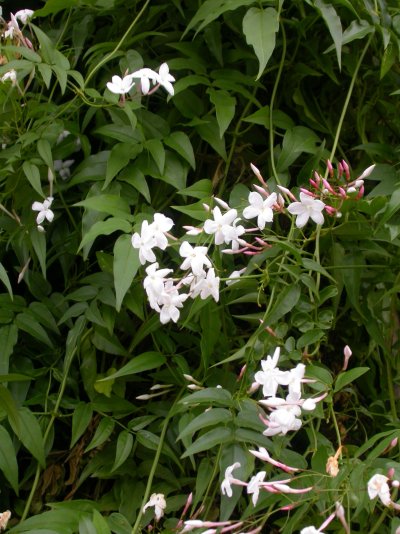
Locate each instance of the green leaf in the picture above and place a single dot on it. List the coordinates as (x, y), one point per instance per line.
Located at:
(6, 281)
(209, 396)
(46, 72)
(209, 131)
(123, 450)
(30, 434)
(44, 150)
(297, 140)
(26, 322)
(285, 302)
(210, 439)
(33, 175)
(104, 228)
(111, 204)
(224, 108)
(332, 20)
(8, 405)
(180, 142)
(125, 266)
(260, 27)
(119, 158)
(157, 151)
(211, 10)
(38, 240)
(211, 417)
(309, 338)
(8, 459)
(54, 6)
(349, 376)
(200, 189)
(81, 418)
(138, 364)
(8, 340)
(314, 266)
(103, 432)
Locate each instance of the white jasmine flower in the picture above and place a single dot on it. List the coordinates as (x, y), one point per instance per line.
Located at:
(261, 208)
(253, 487)
(306, 208)
(154, 284)
(146, 75)
(310, 530)
(282, 421)
(271, 376)
(378, 487)
(63, 167)
(4, 518)
(234, 277)
(10, 76)
(160, 226)
(44, 210)
(145, 242)
(170, 300)
(120, 86)
(220, 225)
(12, 26)
(165, 78)
(158, 501)
(296, 377)
(195, 258)
(229, 479)
(24, 15)
(207, 286)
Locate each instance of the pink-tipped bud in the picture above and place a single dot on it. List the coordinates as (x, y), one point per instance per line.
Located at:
(192, 230)
(317, 177)
(390, 473)
(330, 210)
(360, 193)
(342, 192)
(307, 192)
(261, 190)
(313, 183)
(346, 169)
(367, 172)
(328, 186)
(241, 374)
(287, 192)
(340, 514)
(347, 355)
(222, 203)
(330, 168)
(253, 388)
(257, 173)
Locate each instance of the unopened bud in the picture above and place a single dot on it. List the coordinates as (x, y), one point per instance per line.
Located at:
(222, 203)
(347, 355)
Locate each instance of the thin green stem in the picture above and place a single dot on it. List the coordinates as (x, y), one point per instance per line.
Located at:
(333, 415)
(111, 54)
(271, 105)
(53, 417)
(347, 101)
(389, 378)
(136, 526)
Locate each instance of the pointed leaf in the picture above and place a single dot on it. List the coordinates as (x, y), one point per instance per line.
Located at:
(210, 439)
(6, 281)
(349, 376)
(125, 266)
(80, 421)
(180, 142)
(30, 434)
(138, 364)
(8, 459)
(332, 20)
(103, 432)
(211, 417)
(124, 447)
(260, 27)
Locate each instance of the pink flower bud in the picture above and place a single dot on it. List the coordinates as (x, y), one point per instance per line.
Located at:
(330, 168)
(347, 354)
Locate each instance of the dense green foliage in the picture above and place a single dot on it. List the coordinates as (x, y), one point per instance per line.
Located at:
(285, 85)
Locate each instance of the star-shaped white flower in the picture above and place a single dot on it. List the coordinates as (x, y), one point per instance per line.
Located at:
(120, 86)
(165, 78)
(145, 242)
(226, 488)
(24, 15)
(261, 208)
(378, 487)
(145, 75)
(306, 208)
(207, 286)
(253, 487)
(220, 224)
(10, 76)
(195, 258)
(271, 376)
(158, 501)
(44, 210)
